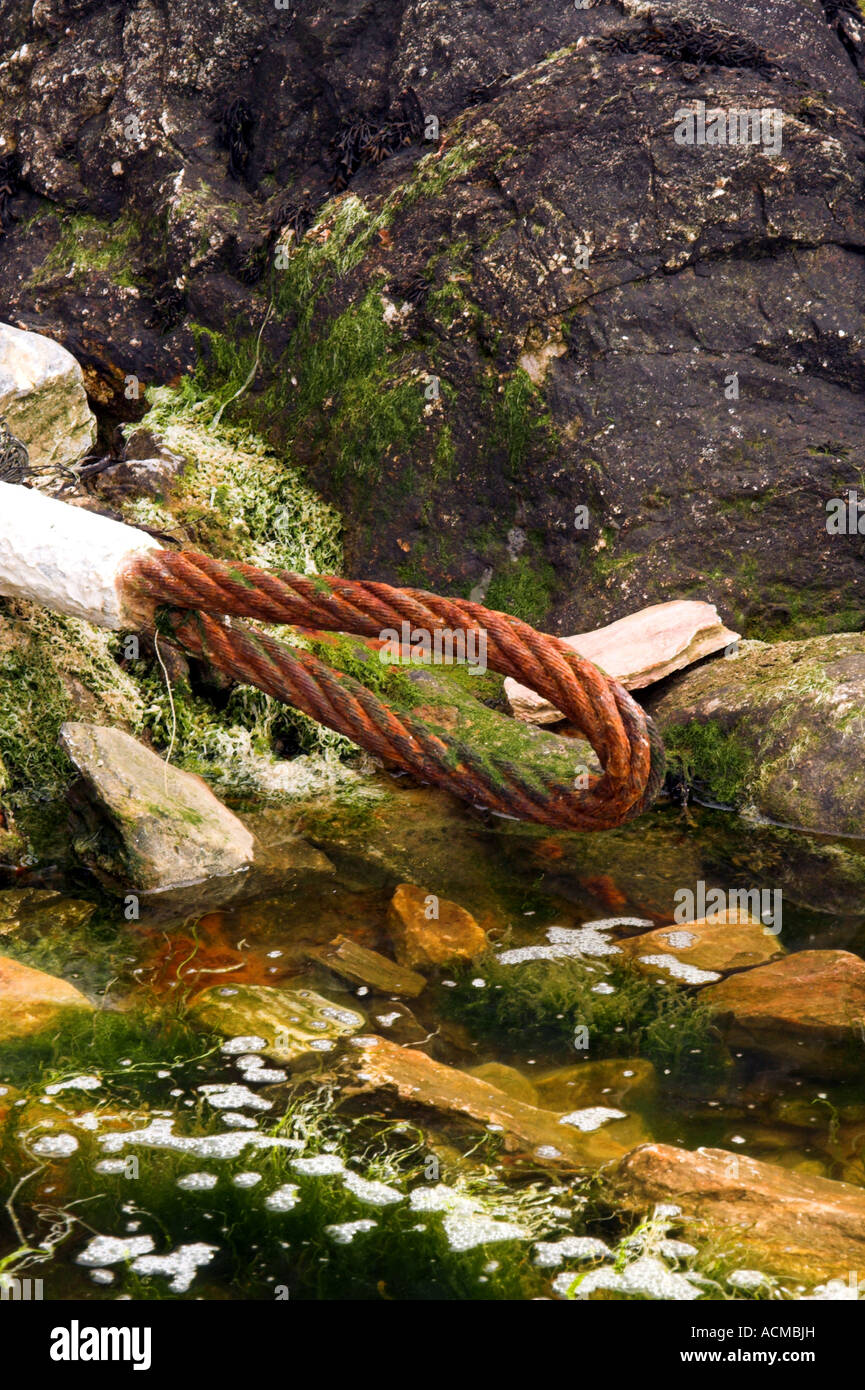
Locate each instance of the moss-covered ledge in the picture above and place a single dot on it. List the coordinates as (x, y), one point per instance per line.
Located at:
(775, 728)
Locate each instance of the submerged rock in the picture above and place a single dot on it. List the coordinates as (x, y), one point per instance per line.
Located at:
(159, 827)
(43, 400)
(780, 729)
(364, 967)
(42, 909)
(613, 1081)
(429, 931)
(806, 1010)
(414, 1077)
(31, 1000)
(287, 1024)
(507, 1079)
(806, 1228)
(701, 952)
(636, 651)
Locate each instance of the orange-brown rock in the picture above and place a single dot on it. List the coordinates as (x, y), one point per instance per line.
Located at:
(807, 1009)
(382, 1066)
(429, 931)
(807, 1228)
(716, 945)
(31, 1000)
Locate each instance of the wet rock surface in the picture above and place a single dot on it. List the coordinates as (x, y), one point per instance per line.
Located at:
(779, 728)
(41, 910)
(598, 380)
(616, 1081)
(429, 931)
(701, 952)
(43, 400)
(364, 967)
(547, 1138)
(806, 1010)
(166, 828)
(807, 1228)
(287, 1025)
(31, 1000)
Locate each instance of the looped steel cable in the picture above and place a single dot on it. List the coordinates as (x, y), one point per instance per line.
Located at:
(621, 734)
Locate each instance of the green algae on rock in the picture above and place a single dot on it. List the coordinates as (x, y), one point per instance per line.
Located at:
(779, 729)
(163, 828)
(555, 1005)
(292, 1025)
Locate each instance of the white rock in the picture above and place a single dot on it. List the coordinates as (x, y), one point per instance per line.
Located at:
(637, 650)
(42, 398)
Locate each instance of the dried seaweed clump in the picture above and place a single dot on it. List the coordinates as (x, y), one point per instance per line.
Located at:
(679, 41)
(234, 133)
(369, 139)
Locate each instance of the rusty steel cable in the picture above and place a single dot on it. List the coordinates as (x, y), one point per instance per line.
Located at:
(210, 592)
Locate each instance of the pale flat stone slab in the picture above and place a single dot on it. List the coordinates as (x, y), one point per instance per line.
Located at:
(636, 651)
(42, 398)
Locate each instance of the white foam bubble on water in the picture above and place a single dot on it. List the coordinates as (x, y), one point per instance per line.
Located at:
(111, 1250)
(679, 940)
(248, 1179)
(75, 1083)
(180, 1266)
(647, 1277)
(592, 1118)
(55, 1145)
(465, 1222)
(549, 1253)
(285, 1198)
(345, 1232)
(680, 970)
(159, 1134)
(197, 1182)
(248, 1043)
(234, 1120)
(747, 1279)
(319, 1166)
(588, 940)
(230, 1095)
(676, 1249)
(377, 1194)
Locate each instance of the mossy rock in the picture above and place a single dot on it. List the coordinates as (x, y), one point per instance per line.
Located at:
(779, 729)
(292, 1024)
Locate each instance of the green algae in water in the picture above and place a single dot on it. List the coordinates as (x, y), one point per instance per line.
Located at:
(541, 1004)
(340, 1222)
(124, 1047)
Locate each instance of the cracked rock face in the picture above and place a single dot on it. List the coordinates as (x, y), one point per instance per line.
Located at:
(689, 317)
